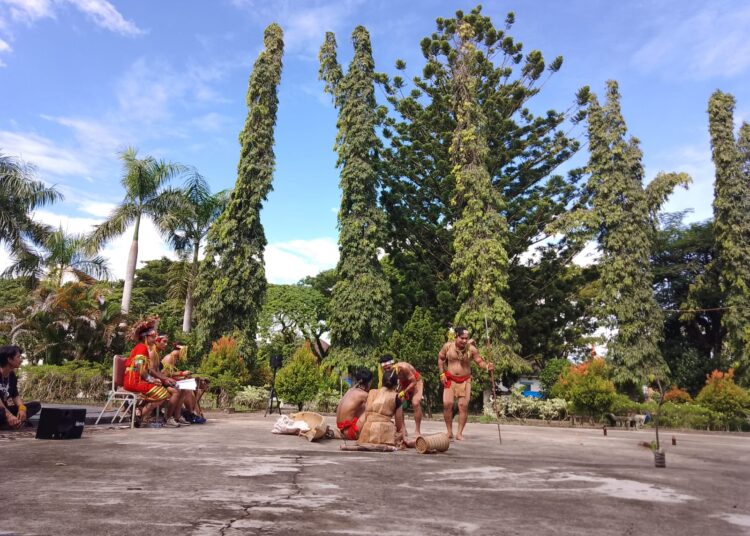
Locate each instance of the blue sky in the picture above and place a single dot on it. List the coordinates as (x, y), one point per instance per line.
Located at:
(82, 79)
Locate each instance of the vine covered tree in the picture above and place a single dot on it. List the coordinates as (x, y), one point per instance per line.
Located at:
(144, 180)
(360, 309)
(622, 217)
(480, 262)
(732, 228)
(232, 279)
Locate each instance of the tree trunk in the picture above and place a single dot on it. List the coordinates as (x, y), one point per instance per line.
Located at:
(187, 318)
(130, 272)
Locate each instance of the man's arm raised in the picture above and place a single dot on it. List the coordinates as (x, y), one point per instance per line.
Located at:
(479, 360)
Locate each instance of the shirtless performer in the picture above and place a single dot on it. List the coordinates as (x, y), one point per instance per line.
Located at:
(352, 406)
(410, 385)
(456, 377)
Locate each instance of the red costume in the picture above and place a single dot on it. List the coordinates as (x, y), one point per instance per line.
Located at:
(349, 428)
(134, 366)
(458, 379)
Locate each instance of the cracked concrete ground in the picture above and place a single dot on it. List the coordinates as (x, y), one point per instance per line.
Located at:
(232, 477)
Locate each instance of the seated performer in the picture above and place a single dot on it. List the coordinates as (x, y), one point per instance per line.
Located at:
(383, 406)
(13, 412)
(168, 366)
(138, 378)
(454, 364)
(410, 385)
(352, 405)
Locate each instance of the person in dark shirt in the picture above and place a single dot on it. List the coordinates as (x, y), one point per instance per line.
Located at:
(13, 412)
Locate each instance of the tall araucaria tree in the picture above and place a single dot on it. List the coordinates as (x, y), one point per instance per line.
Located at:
(360, 309)
(524, 150)
(232, 278)
(622, 217)
(480, 262)
(732, 228)
(146, 195)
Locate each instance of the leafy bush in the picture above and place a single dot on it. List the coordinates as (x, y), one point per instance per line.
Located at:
(725, 397)
(678, 396)
(225, 358)
(692, 416)
(297, 381)
(623, 405)
(70, 381)
(252, 398)
(226, 369)
(587, 388)
(551, 373)
(326, 401)
(517, 406)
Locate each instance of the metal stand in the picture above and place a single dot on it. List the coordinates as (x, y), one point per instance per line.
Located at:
(273, 396)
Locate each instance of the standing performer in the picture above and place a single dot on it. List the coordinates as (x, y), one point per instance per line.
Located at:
(410, 385)
(456, 377)
(352, 405)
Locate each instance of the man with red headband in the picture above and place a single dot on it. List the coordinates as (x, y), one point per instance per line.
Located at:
(410, 385)
(454, 364)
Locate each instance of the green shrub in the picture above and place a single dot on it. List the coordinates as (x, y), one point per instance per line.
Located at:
(586, 388)
(252, 398)
(73, 380)
(623, 405)
(551, 373)
(326, 401)
(724, 396)
(517, 406)
(297, 381)
(691, 416)
(225, 358)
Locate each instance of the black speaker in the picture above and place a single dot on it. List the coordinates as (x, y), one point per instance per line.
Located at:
(61, 423)
(276, 362)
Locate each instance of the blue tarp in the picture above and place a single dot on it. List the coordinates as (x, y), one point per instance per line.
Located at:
(532, 394)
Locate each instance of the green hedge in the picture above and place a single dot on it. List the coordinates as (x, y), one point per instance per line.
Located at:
(74, 380)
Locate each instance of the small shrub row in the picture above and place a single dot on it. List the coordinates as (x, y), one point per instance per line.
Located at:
(74, 380)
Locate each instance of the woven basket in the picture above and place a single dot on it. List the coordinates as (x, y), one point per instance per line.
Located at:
(432, 443)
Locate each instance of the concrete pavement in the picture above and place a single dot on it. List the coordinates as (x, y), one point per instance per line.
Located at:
(231, 476)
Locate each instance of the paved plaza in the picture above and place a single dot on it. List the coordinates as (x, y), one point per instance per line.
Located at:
(233, 477)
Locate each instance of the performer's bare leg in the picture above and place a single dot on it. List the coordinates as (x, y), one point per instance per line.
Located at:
(448, 410)
(418, 414)
(463, 414)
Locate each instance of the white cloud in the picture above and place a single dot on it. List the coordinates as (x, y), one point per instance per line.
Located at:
(304, 25)
(29, 11)
(106, 16)
(42, 153)
(288, 262)
(101, 12)
(95, 208)
(4, 46)
(710, 41)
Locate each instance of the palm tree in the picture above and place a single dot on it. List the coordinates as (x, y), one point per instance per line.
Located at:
(144, 181)
(20, 194)
(186, 229)
(63, 254)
